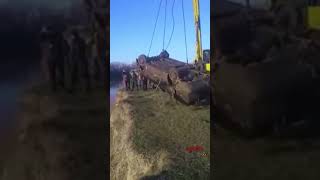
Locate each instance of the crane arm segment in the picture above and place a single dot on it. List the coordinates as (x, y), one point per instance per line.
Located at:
(196, 12)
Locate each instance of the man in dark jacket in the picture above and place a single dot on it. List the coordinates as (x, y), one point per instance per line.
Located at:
(125, 80)
(79, 62)
(145, 83)
(134, 79)
(139, 79)
(59, 53)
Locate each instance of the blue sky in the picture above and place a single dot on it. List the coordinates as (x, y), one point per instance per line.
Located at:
(132, 23)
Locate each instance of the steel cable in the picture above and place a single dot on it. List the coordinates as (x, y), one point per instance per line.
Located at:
(185, 34)
(155, 25)
(173, 24)
(165, 22)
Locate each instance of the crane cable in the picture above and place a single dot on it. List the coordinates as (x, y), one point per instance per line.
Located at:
(173, 24)
(185, 34)
(165, 21)
(155, 25)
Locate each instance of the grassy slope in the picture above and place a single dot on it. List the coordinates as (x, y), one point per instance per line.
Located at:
(60, 136)
(265, 158)
(162, 124)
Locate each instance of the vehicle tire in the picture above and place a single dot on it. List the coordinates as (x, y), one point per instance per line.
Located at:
(172, 77)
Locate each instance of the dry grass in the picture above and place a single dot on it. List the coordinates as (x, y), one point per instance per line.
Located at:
(160, 126)
(125, 162)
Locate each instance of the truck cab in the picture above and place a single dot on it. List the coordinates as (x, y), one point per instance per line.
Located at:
(313, 15)
(206, 59)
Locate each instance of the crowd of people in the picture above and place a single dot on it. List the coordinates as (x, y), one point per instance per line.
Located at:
(58, 54)
(134, 80)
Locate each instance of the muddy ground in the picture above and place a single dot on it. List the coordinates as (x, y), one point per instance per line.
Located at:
(58, 136)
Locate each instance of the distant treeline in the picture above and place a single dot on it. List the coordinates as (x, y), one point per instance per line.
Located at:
(116, 71)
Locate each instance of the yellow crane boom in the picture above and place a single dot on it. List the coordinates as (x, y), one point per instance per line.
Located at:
(196, 12)
(199, 59)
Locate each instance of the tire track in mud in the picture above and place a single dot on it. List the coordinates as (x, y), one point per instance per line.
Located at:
(126, 163)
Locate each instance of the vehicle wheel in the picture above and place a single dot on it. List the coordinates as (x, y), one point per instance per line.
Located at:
(172, 77)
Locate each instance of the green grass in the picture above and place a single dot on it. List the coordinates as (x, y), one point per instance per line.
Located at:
(60, 136)
(160, 123)
(265, 157)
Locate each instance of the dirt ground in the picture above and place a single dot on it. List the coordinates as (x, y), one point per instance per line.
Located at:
(149, 135)
(59, 136)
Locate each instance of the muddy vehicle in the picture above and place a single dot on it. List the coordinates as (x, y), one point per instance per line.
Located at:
(262, 79)
(179, 79)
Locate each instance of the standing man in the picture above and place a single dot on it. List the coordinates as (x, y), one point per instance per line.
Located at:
(135, 79)
(132, 80)
(65, 56)
(129, 80)
(125, 79)
(139, 80)
(145, 83)
(56, 62)
(98, 57)
(46, 52)
(79, 62)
